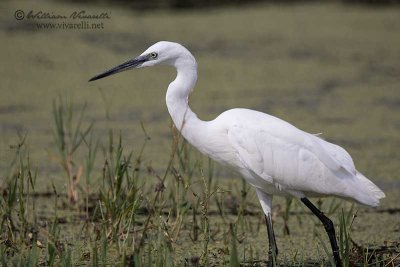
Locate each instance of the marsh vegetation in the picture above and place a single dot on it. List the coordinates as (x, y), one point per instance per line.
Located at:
(97, 175)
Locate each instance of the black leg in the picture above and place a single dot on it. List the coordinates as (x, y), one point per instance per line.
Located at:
(273, 249)
(329, 228)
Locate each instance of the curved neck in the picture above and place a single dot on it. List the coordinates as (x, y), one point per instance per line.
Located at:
(177, 98)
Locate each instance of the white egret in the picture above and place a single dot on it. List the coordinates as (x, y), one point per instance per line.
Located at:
(272, 155)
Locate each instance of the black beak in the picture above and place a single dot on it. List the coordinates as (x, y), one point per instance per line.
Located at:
(133, 63)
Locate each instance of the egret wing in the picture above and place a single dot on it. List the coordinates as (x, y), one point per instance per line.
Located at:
(280, 153)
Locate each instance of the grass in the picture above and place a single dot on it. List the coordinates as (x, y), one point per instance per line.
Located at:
(109, 183)
(136, 216)
(68, 138)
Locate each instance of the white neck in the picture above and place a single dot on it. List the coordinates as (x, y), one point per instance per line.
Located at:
(177, 98)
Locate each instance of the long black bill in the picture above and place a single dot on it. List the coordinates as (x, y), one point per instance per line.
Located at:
(133, 63)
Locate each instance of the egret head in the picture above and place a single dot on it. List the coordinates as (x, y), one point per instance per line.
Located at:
(161, 52)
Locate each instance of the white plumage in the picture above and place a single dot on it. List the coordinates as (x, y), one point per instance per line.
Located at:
(271, 154)
(277, 158)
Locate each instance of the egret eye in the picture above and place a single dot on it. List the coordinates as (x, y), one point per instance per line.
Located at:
(153, 55)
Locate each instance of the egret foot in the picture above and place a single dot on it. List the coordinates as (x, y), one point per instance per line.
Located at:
(329, 229)
(273, 249)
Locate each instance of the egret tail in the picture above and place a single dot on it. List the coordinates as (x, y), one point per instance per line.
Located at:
(367, 192)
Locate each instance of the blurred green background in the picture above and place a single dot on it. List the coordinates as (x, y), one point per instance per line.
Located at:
(329, 67)
(324, 67)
